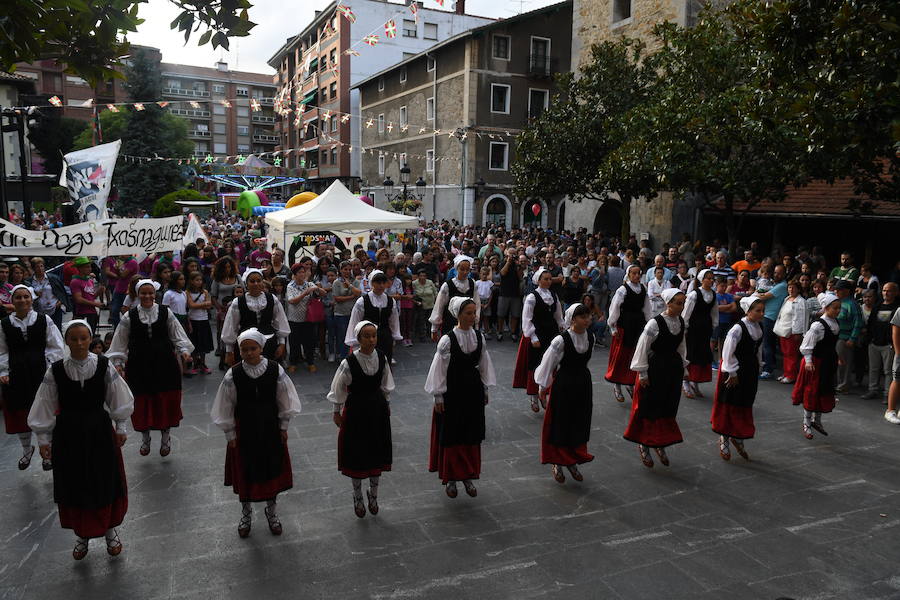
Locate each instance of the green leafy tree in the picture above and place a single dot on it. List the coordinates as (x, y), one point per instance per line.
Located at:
(53, 135)
(166, 207)
(149, 134)
(88, 36)
(565, 151)
(834, 68)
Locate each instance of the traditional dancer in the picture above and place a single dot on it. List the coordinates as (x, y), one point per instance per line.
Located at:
(659, 361)
(148, 341)
(814, 387)
(360, 392)
(629, 311)
(72, 413)
(259, 309)
(460, 374)
(567, 422)
(441, 319)
(732, 411)
(379, 308)
(254, 406)
(29, 342)
(701, 313)
(542, 320)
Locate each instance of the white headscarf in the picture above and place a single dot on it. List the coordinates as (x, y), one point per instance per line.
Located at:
(23, 287)
(252, 334)
(537, 275)
(359, 328)
(455, 305)
(570, 312)
(628, 270)
(697, 282)
(460, 258)
(668, 294)
(828, 298)
(250, 272)
(748, 301)
(73, 322)
(144, 282)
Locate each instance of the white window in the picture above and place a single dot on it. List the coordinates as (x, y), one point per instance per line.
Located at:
(174, 83)
(243, 111)
(404, 120)
(380, 163)
(501, 47)
(409, 28)
(199, 86)
(538, 102)
(201, 127)
(403, 74)
(218, 109)
(429, 161)
(218, 88)
(334, 156)
(74, 102)
(431, 32)
(621, 10)
(430, 63)
(243, 130)
(403, 162)
(220, 148)
(429, 109)
(219, 128)
(243, 148)
(242, 91)
(201, 148)
(334, 124)
(499, 156)
(73, 80)
(540, 56)
(500, 98)
(332, 90)
(381, 123)
(381, 84)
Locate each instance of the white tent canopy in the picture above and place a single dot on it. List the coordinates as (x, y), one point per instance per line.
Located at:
(337, 209)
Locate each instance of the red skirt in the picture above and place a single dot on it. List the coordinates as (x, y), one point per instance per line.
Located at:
(790, 349)
(156, 411)
(522, 376)
(94, 523)
(656, 433)
(619, 368)
(560, 455)
(731, 420)
(453, 463)
(807, 392)
(16, 421)
(256, 492)
(699, 373)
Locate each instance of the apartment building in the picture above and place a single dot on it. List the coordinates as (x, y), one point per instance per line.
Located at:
(478, 89)
(215, 128)
(311, 89)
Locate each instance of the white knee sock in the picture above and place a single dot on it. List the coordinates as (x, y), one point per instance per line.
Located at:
(25, 440)
(807, 417)
(145, 436)
(724, 441)
(271, 506)
(619, 389)
(817, 418)
(373, 485)
(357, 487)
(165, 436)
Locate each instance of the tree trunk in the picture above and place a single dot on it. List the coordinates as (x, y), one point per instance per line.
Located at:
(625, 218)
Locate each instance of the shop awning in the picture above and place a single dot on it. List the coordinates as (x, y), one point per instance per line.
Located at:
(309, 97)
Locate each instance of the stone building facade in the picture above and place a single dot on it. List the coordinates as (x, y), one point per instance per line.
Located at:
(451, 115)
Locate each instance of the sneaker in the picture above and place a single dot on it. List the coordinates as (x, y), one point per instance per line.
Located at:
(207, 371)
(331, 357)
(715, 367)
(871, 395)
(499, 337)
(765, 375)
(891, 417)
(841, 389)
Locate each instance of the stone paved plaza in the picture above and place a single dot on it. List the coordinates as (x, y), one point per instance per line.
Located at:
(805, 519)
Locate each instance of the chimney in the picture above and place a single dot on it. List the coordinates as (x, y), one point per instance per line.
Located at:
(460, 7)
(222, 66)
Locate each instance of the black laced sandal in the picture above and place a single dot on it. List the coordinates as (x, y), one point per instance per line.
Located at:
(114, 544)
(274, 523)
(244, 525)
(373, 502)
(25, 461)
(81, 549)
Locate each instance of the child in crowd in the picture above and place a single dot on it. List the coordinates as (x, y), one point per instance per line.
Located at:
(199, 302)
(406, 309)
(176, 299)
(728, 309)
(484, 286)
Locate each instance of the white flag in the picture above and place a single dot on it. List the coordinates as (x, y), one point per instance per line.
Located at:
(88, 177)
(194, 231)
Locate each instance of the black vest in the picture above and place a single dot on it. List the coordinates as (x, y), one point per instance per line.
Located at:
(27, 362)
(264, 321)
(256, 419)
(448, 321)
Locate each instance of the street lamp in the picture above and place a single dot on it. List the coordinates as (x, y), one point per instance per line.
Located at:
(399, 200)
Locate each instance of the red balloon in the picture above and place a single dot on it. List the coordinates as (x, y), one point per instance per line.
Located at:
(536, 209)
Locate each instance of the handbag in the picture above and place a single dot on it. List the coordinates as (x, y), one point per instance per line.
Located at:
(315, 310)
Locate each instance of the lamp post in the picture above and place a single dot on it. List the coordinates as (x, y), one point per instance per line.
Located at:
(404, 194)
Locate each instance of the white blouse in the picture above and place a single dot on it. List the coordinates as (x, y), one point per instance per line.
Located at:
(814, 335)
(691, 301)
(615, 307)
(54, 345)
(543, 375)
(729, 360)
(119, 401)
(528, 329)
(118, 349)
(359, 311)
(654, 290)
(343, 378)
(443, 298)
(222, 412)
(232, 324)
(640, 362)
(436, 382)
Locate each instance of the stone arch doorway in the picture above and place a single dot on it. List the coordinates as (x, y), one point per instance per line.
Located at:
(497, 211)
(528, 217)
(608, 219)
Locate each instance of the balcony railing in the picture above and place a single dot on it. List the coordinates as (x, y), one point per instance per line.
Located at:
(185, 93)
(266, 139)
(541, 65)
(189, 112)
(198, 133)
(262, 119)
(266, 101)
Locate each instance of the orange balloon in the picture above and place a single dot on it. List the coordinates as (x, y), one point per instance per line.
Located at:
(301, 198)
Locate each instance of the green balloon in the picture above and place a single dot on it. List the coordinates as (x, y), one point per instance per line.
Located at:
(246, 201)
